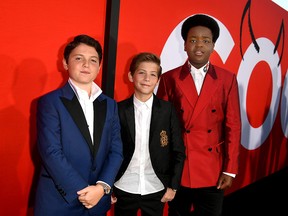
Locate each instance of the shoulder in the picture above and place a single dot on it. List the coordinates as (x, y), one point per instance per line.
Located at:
(51, 95)
(125, 104)
(222, 72)
(227, 77)
(102, 97)
(173, 72)
(164, 104)
(125, 101)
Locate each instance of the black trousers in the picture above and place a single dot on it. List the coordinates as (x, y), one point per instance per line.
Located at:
(128, 204)
(197, 202)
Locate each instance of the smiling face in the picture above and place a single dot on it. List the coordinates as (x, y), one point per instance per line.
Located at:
(83, 66)
(145, 79)
(199, 45)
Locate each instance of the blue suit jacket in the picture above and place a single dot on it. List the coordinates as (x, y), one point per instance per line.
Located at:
(70, 161)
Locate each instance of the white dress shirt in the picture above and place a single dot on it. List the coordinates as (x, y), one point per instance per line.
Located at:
(198, 75)
(86, 103)
(139, 177)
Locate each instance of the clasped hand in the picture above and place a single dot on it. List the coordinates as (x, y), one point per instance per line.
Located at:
(90, 195)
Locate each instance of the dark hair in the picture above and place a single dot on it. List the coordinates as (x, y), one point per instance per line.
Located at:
(144, 57)
(200, 20)
(82, 39)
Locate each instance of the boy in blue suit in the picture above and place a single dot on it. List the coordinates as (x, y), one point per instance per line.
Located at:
(78, 139)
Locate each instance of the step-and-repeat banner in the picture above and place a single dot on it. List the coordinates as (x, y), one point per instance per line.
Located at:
(252, 44)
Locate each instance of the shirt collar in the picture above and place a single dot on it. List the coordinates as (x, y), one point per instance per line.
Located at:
(139, 103)
(80, 93)
(203, 70)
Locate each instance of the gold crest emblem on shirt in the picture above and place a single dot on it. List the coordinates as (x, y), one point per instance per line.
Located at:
(163, 138)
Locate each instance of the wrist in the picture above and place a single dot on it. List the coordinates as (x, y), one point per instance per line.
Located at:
(105, 187)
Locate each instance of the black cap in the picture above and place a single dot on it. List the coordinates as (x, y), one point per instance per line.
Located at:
(200, 20)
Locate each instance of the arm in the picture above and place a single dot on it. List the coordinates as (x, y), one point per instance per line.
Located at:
(178, 157)
(233, 137)
(50, 144)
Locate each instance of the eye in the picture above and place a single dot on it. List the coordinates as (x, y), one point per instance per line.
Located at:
(207, 41)
(94, 61)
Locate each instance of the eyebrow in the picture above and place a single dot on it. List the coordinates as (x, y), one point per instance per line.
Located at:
(77, 54)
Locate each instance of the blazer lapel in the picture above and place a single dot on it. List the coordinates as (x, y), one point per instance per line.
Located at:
(186, 84)
(130, 117)
(154, 116)
(73, 106)
(100, 110)
(210, 85)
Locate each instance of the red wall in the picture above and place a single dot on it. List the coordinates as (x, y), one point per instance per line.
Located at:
(32, 37)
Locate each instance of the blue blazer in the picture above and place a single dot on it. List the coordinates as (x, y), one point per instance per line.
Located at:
(70, 161)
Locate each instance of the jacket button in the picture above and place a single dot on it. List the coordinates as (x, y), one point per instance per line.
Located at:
(210, 149)
(209, 131)
(187, 131)
(213, 110)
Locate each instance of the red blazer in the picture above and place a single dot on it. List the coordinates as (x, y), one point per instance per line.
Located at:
(211, 122)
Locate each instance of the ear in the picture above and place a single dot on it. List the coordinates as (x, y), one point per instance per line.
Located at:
(158, 81)
(213, 45)
(185, 46)
(130, 77)
(65, 65)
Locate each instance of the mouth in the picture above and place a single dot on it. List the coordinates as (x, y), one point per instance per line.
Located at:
(145, 85)
(198, 53)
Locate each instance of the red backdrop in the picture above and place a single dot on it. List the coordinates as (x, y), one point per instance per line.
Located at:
(261, 81)
(32, 38)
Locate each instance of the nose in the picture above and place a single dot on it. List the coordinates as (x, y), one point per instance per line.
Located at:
(147, 77)
(199, 43)
(85, 63)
